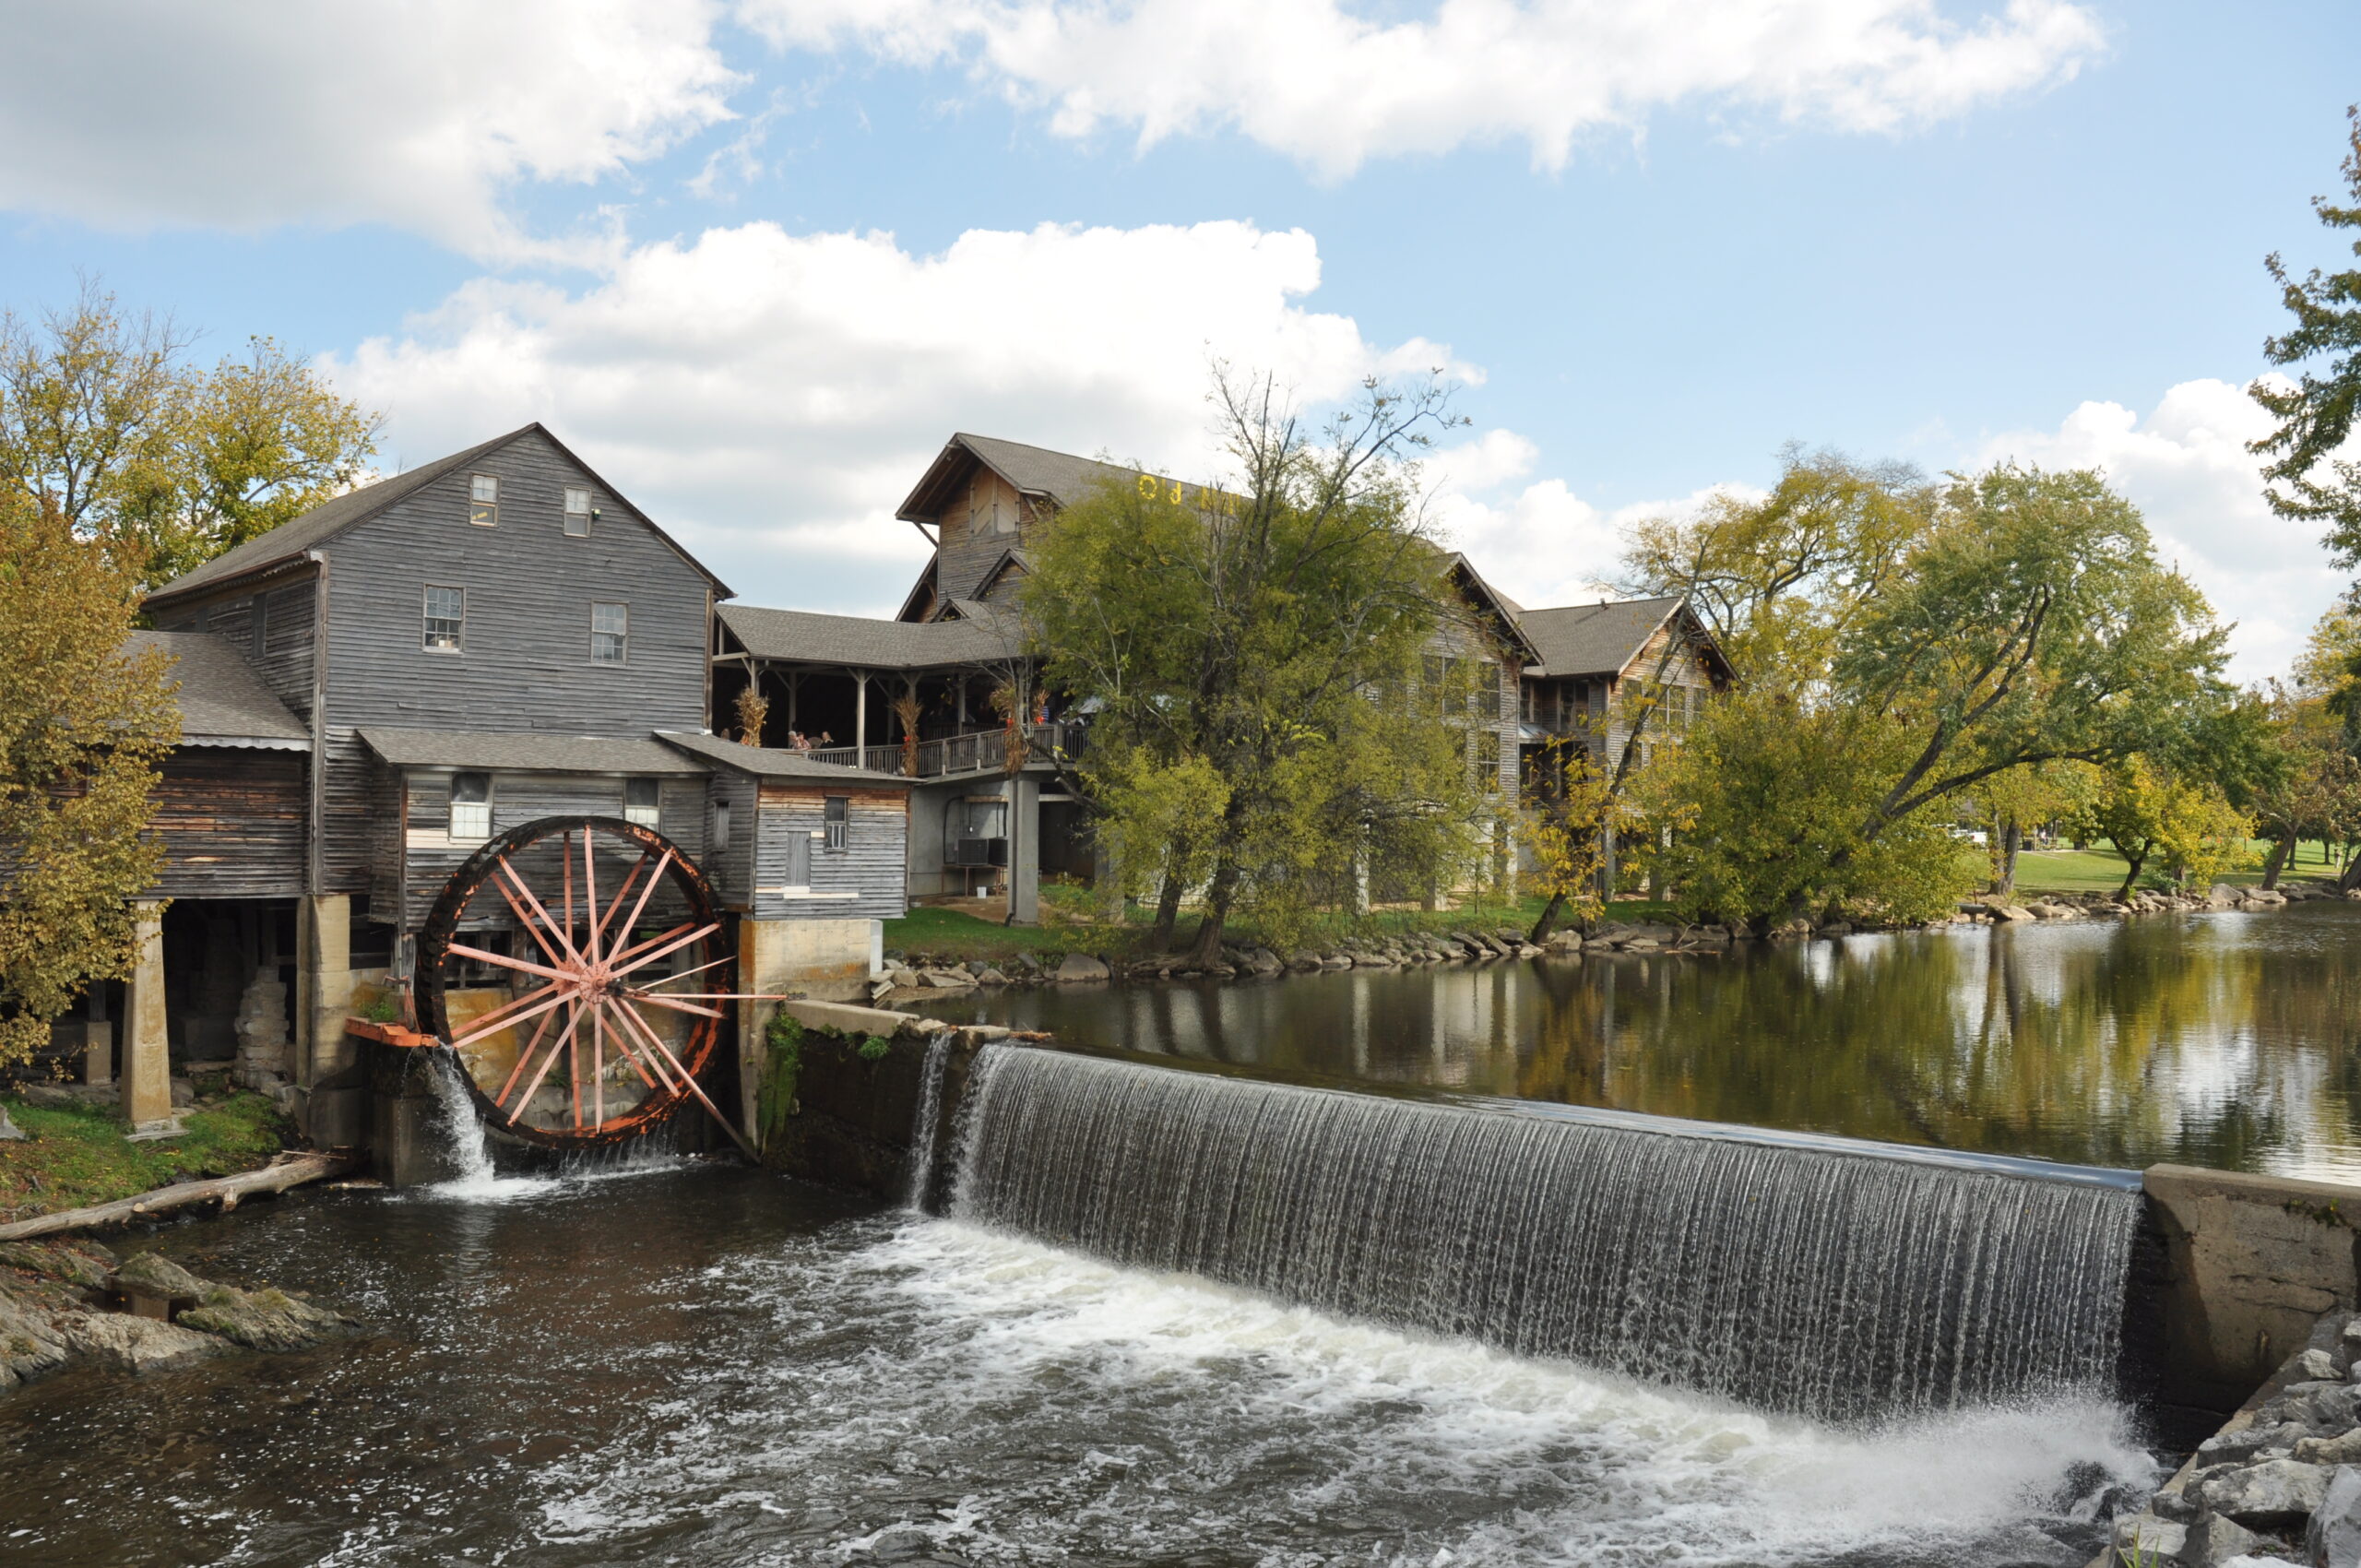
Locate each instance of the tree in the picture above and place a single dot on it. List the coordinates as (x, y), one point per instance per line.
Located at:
(1780, 581)
(2150, 814)
(100, 415)
(1253, 654)
(2025, 798)
(82, 730)
(2305, 477)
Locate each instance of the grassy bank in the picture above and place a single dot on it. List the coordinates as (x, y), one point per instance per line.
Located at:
(75, 1156)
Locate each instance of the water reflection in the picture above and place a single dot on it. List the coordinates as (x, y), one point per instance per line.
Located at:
(2217, 1039)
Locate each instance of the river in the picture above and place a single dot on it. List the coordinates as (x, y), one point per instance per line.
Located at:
(700, 1364)
(2222, 1040)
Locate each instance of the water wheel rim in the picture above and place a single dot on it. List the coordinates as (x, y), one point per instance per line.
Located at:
(586, 981)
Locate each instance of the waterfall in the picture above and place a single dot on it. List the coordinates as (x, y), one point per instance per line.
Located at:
(923, 1127)
(1827, 1282)
(470, 1157)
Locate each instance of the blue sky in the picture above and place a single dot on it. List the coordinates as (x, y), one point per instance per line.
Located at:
(757, 261)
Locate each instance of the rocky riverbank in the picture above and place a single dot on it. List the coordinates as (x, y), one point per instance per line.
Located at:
(2281, 1480)
(914, 977)
(76, 1301)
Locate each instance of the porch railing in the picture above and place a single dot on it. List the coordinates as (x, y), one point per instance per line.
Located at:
(948, 756)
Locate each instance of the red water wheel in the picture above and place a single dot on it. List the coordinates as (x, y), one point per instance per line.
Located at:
(577, 969)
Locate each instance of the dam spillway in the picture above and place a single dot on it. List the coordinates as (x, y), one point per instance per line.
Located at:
(1810, 1279)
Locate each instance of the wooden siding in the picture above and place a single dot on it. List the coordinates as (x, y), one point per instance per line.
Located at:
(731, 867)
(969, 543)
(233, 821)
(526, 663)
(863, 880)
(284, 660)
(429, 857)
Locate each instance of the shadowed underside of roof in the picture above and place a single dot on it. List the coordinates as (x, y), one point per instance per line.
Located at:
(222, 701)
(803, 637)
(524, 751)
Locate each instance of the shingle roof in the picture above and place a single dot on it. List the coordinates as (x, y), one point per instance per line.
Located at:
(325, 521)
(1595, 639)
(771, 762)
(222, 701)
(1060, 476)
(806, 637)
(525, 752)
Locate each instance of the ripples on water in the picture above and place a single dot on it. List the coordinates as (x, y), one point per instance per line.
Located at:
(711, 1366)
(2230, 1041)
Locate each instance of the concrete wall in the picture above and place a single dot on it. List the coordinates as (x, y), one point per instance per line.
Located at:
(850, 1120)
(2250, 1264)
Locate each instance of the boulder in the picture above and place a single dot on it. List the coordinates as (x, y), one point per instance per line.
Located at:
(29, 1342)
(2320, 1365)
(1081, 966)
(1834, 929)
(263, 1320)
(2215, 1541)
(2271, 1495)
(2332, 1539)
(2143, 1538)
(9, 1131)
(2022, 1546)
(2261, 1440)
(135, 1344)
(1565, 942)
(2221, 896)
(1265, 962)
(948, 980)
(86, 1264)
(2011, 914)
(152, 1274)
(991, 977)
(1303, 959)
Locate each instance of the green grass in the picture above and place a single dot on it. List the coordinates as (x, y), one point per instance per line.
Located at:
(2100, 869)
(77, 1156)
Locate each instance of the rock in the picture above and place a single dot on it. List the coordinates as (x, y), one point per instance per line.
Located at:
(135, 1344)
(29, 1342)
(1528, 950)
(1835, 928)
(152, 1274)
(2248, 1443)
(2022, 1546)
(2143, 1538)
(2265, 897)
(261, 1028)
(55, 1262)
(1303, 958)
(991, 977)
(2320, 1365)
(50, 1096)
(2271, 1495)
(1262, 961)
(2011, 913)
(2343, 1449)
(1081, 966)
(1639, 945)
(9, 1131)
(2213, 1541)
(263, 1320)
(947, 979)
(1335, 961)
(184, 1094)
(2332, 1539)
(1565, 942)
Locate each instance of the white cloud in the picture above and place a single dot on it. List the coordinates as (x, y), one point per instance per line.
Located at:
(133, 113)
(775, 396)
(2187, 468)
(1333, 89)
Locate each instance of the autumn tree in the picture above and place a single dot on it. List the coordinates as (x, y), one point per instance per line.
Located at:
(82, 726)
(1253, 654)
(2306, 475)
(103, 416)
(2153, 814)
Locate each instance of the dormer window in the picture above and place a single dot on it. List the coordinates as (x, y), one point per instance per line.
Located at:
(577, 512)
(483, 501)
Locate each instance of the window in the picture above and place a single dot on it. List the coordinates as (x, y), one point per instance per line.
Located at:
(483, 501)
(837, 814)
(721, 825)
(643, 801)
(577, 512)
(471, 806)
(447, 620)
(609, 633)
(1487, 692)
(1487, 760)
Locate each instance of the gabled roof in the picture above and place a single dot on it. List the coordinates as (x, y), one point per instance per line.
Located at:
(1603, 639)
(222, 701)
(921, 594)
(524, 751)
(1060, 477)
(1495, 607)
(292, 538)
(1016, 561)
(802, 637)
(771, 762)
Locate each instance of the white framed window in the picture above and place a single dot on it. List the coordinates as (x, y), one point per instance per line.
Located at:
(447, 620)
(578, 511)
(471, 807)
(609, 633)
(836, 818)
(643, 801)
(483, 500)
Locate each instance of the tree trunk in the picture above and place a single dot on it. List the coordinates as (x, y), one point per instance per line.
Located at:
(2280, 852)
(2123, 893)
(1548, 921)
(1168, 914)
(2352, 877)
(288, 1170)
(2012, 839)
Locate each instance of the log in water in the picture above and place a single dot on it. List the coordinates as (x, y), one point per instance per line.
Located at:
(1832, 1284)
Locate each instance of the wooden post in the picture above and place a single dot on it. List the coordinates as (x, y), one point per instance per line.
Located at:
(861, 719)
(146, 1052)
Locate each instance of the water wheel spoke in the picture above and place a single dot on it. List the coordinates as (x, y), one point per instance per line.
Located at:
(598, 1064)
(589, 892)
(641, 962)
(525, 1057)
(689, 1082)
(623, 1047)
(636, 909)
(557, 1047)
(564, 934)
(505, 962)
(555, 997)
(565, 862)
(677, 1003)
(525, 918)
(606, 923)
(668, 980)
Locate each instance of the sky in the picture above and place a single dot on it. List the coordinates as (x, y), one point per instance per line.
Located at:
(758, 259)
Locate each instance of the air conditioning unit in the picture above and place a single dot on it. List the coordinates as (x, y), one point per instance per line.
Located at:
(979, 852)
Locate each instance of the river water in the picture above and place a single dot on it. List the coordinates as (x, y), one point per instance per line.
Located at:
(2230, 1041)
(700, 1364)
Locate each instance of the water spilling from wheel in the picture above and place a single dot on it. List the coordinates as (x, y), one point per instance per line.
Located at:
(1835, 1284)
